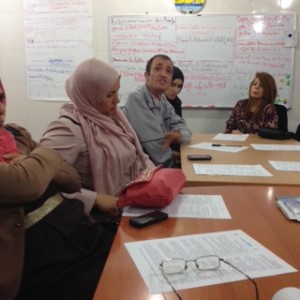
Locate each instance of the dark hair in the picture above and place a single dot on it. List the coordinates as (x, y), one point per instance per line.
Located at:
(268, 84)
(177, 73)
(2, 96)
(150, 61)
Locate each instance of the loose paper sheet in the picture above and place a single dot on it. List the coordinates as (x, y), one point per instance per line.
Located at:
(275, 147)
(233, 170)
(224, 148)
(234, 246)
(231, 137)
(190, 206)
(286, 165)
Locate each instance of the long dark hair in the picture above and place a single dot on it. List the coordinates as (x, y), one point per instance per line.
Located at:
(268, 84)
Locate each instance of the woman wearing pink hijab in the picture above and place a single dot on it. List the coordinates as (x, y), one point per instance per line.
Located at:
(95, 137)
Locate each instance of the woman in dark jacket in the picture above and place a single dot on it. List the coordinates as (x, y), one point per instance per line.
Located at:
(49, 248)
(172, 96)
(174, 89)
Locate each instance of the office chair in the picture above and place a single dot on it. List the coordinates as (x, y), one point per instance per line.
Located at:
(282, 132)
(282, 117)
(297, 133)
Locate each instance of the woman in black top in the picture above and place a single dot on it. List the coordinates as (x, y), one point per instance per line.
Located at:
(174, 89)
(172, 96)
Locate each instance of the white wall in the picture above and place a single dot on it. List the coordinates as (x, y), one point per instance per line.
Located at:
(36, 115)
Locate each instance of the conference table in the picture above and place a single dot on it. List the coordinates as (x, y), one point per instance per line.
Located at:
(253, 210)
(248, 156)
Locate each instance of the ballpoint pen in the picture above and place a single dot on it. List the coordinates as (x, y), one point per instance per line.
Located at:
(220, 145)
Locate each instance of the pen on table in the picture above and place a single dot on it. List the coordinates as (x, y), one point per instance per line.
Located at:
(220, 145)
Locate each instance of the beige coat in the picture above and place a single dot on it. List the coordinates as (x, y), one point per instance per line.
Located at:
(21, 183)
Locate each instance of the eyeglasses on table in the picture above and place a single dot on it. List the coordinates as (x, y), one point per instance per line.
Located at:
(174, 266)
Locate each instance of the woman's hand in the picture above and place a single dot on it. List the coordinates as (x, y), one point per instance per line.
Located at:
(107, 203)
(236, 132)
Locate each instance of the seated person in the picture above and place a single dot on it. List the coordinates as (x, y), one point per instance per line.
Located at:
(49, 248)
(258, 111)
(94, 136)
(174, 89)
(172, 96)
(7, 141)
(153, 118)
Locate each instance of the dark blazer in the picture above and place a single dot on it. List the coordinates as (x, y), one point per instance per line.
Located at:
(22, 183)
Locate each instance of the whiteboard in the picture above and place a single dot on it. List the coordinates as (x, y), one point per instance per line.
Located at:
(58, 36)
(218, 54)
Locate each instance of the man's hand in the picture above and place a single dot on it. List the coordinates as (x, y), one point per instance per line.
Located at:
(171, 137)
(176, 155)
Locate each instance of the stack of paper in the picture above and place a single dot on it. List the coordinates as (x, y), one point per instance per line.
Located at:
(290, 206)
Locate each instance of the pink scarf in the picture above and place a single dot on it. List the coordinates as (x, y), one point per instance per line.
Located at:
(107, 142)
(7, 144)
(7, 140)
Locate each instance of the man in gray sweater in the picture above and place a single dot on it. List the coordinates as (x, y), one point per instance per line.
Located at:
(153, 117)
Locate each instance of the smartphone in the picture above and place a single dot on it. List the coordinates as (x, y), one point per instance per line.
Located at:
(199, 157)
(148, 219)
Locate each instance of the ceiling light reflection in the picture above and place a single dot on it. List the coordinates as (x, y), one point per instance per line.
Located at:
(285, 3)
(271, 193)
(156, 297)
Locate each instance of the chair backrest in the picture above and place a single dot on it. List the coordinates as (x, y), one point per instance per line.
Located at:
(282, 117)
(297, 133)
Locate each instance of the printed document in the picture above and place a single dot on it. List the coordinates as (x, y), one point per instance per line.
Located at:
(290, 206)
(219, 147)
(285, 165)
(275, 147)
(233, 170)
(231, 137)
(235, 246)
(189, 206)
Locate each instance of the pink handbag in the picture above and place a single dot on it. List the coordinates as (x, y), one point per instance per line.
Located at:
(153, 188)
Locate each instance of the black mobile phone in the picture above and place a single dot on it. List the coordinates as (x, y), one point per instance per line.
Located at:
(148, 219)
(199, 157)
